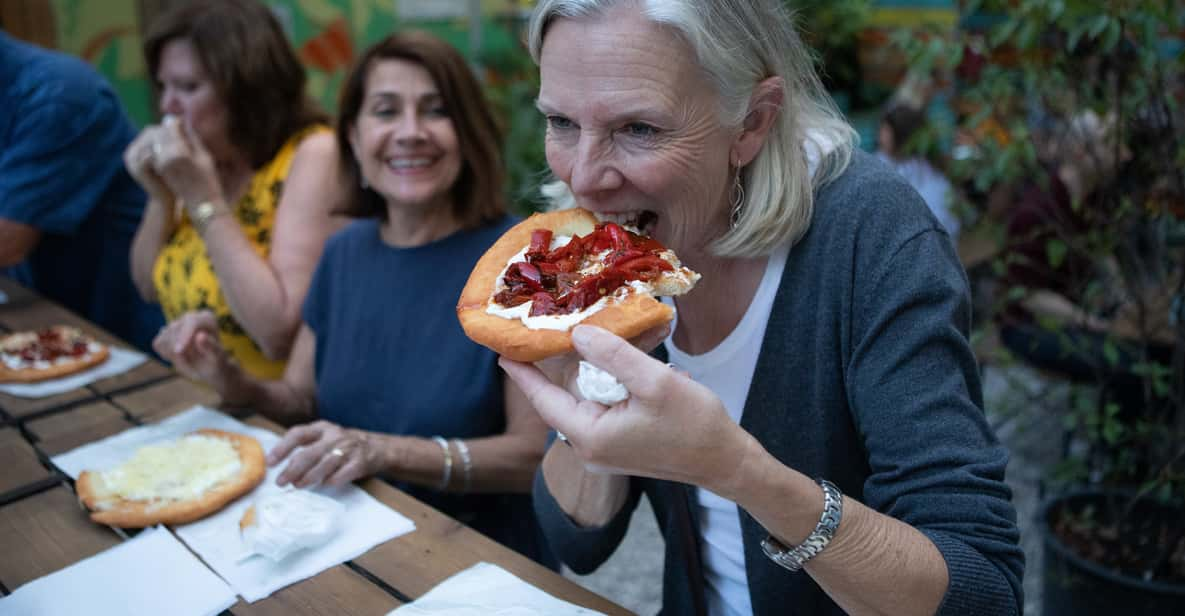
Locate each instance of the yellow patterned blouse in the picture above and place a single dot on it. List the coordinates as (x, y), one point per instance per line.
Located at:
(184, 276)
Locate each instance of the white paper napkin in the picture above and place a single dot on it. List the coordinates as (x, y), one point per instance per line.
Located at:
(365, 523)
(150, 574)
(121, 360)
(488, 590)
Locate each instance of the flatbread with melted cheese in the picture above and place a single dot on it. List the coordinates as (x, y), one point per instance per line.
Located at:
(175, 482)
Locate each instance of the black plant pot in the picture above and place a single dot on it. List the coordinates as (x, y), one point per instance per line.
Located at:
(1075, 586)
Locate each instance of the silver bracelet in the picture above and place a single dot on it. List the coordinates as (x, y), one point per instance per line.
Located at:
(466, 463)
(448, 463)
(794, 558)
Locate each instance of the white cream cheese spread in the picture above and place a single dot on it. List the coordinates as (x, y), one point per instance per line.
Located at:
(178, 470)
(599, 386)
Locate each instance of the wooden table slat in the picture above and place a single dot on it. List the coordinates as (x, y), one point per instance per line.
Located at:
(165, 399)
(151, 370)
(44, 533)
(18, 462)
(19, 407)
(337, 590)
(61, 432)
(16, 293)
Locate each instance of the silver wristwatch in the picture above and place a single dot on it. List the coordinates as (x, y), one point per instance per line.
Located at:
(794, 558)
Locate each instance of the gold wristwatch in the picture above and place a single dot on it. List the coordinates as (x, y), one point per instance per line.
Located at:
(204, 212)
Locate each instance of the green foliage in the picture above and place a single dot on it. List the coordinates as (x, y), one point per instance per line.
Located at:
(512, 85)
(1040, 73)
(831, 28)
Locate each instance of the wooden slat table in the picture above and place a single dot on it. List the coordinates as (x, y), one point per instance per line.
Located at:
(19, 465)
(61, 432)
(165, 399)
(43, 529)
(47, 532)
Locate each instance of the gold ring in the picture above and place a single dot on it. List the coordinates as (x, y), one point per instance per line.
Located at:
(337, 452)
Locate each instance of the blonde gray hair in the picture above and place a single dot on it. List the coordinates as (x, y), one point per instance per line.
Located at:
(739, 43)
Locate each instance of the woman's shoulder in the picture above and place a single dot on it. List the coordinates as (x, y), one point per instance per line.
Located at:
(315, 141)
(871, 194)
(871, 213)
(311, 147)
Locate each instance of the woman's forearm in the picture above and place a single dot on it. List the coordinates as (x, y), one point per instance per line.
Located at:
(874, 565)
(277, 400)
(156, 226)
(1054, 305)
(263, 307)
(590, 499)
(503, 463)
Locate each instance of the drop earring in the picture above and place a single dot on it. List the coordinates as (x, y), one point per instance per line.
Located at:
(736, 198)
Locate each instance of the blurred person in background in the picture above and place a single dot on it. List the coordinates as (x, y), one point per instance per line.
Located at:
(382, 379)
(241, 178)
(900, 123)
(68, 209)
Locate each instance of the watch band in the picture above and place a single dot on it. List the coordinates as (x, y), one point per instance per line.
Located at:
(204, 212)
(794, 558)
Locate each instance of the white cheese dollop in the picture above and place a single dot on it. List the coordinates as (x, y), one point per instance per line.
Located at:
(599, 386)
(289, 521)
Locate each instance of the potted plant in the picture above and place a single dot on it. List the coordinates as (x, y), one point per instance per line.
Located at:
(1072, 145)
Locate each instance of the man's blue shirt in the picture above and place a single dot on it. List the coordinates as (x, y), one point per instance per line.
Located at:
(62, 136)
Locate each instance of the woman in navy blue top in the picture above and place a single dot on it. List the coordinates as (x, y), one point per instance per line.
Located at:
(382, 379)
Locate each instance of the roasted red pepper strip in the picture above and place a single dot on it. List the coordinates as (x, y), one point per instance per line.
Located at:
(540, 244)
(645, 268)
(549, 280)
(542, 304)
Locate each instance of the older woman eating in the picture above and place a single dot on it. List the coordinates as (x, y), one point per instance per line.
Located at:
(825, 410)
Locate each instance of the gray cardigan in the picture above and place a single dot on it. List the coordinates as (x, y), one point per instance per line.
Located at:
(865, 377)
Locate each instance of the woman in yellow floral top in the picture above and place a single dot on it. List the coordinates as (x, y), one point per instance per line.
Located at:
(242, 177)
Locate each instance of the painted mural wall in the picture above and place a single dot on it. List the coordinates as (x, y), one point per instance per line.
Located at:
(326, 33)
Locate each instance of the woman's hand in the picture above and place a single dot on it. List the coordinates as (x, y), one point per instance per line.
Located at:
(191, 343)
(328, 454)
(669, 428)
(184, 164)
(138, 158)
